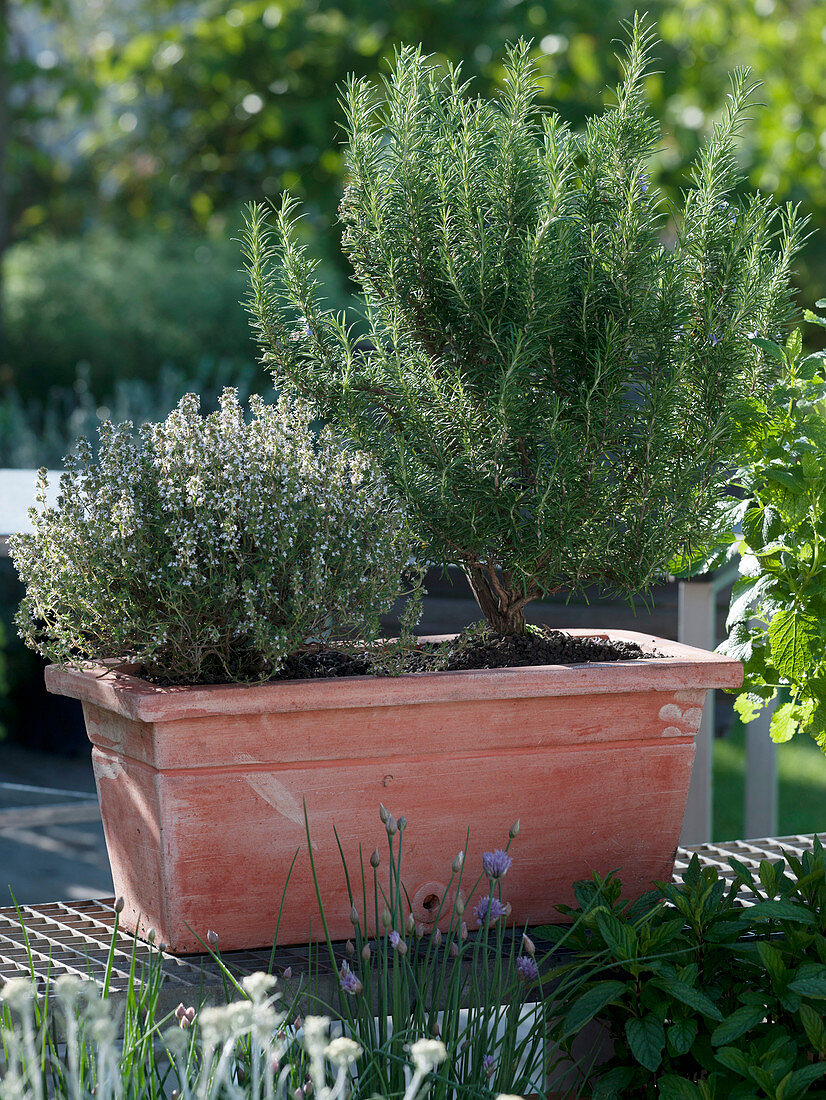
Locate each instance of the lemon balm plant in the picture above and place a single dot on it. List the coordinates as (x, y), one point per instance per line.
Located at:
(552, 385)
(776, 617)
(209, 548)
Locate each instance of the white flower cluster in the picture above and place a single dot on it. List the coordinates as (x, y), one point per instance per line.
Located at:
(244, 1050)
(208, 548)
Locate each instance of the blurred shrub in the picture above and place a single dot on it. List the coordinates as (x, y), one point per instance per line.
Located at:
(41, 431)
(172, 121)
(123, 307)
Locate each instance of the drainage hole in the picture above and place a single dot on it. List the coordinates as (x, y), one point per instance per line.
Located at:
(431, 902)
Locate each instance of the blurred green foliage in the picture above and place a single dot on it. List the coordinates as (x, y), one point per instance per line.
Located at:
(41, 431)
(164, 117)
(123, 307)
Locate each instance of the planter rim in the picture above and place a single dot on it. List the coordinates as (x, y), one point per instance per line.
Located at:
(112, 687)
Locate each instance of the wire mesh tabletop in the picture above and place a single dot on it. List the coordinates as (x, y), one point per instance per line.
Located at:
(77, 938)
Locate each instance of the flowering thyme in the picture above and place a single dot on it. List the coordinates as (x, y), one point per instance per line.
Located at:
(209, 548)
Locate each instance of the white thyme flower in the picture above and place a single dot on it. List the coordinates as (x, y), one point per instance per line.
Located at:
(18, 994)
(258, 986)
(427, 1054)
(342, 1051)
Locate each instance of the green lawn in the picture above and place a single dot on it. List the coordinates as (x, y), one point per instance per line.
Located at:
(801, 768)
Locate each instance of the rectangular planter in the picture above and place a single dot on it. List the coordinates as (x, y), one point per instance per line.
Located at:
(202, 788)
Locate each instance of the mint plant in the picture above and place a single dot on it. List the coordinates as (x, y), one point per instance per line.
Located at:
(703, 998)
(209, 548)
(552, 365)
(778, 609)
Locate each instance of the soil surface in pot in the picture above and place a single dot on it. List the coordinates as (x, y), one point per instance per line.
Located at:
(472, 649)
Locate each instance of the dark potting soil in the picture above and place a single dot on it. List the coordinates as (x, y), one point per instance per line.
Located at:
(551, 647)
(324, 664)
(472, 649)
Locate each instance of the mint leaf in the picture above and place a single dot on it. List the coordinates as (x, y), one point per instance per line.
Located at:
(792, 635)
(646, 1038)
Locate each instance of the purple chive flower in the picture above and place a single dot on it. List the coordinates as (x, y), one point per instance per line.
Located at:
(395, 938)
(496, 863)
(489, 908)
(526, 968)
(488, 1065)
(348, 981)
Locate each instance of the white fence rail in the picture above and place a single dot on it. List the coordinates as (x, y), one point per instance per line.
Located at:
(17, 489)
(697, 625)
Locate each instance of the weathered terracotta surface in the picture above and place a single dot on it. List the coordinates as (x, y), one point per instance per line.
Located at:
(202, 789)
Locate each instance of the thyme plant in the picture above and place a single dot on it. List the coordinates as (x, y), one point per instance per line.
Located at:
(211, 547)
(552, 365)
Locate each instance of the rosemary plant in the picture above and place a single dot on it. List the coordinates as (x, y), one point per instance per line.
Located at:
(553, 366)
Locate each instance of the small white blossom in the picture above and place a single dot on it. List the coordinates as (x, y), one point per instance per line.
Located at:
(258, 986)
(18, 994)
(342, 1051)
(427, 1054)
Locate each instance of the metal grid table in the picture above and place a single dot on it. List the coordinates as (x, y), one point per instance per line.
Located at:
(62, 938)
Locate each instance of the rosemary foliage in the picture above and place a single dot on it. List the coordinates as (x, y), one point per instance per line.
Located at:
(553, 367)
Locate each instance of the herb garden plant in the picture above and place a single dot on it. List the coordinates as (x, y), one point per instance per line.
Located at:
(778, 608)
(703, 998)
(210, 548)
(552, 365)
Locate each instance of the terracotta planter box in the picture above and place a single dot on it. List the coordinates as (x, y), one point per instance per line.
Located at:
(201, 789)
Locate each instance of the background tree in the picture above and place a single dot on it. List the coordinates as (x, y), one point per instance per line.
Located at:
(161, 117)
